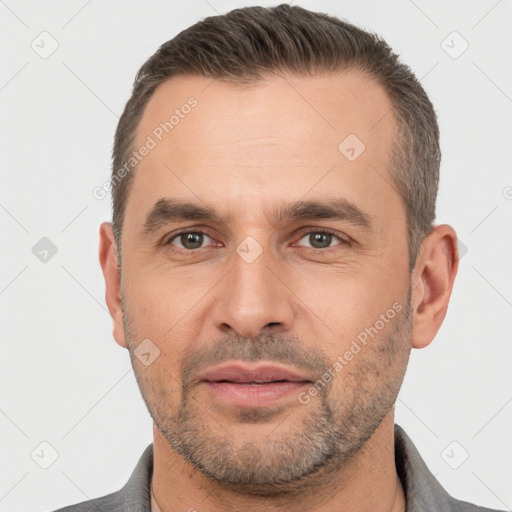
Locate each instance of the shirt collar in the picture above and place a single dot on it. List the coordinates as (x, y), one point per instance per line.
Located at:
(422, 490)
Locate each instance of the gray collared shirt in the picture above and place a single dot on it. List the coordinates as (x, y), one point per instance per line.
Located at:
(423, 492)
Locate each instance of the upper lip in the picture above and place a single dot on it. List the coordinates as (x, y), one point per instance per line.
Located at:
(247, 373)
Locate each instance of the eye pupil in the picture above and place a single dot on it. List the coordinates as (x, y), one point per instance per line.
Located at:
(191, 240)
(320, 240)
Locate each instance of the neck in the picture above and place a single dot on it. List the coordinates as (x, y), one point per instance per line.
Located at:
(368, 482)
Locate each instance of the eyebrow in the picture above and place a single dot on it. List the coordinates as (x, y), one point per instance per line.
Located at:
(167, 210)
(335, 209)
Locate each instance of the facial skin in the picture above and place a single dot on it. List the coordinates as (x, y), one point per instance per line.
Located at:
(246, 153)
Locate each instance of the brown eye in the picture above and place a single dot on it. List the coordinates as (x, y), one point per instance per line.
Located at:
(189, 240)
(320, 239)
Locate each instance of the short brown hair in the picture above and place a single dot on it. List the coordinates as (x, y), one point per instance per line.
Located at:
(246, 45)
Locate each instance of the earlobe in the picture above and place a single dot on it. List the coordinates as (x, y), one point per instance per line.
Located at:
(110, 268)
(432, 283)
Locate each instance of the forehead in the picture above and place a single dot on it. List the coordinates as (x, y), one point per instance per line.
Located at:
(318, 109)
(266, 142)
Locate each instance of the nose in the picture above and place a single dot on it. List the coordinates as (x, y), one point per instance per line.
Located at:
(253, 300)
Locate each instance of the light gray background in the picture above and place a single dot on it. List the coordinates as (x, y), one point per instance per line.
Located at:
(66, 382)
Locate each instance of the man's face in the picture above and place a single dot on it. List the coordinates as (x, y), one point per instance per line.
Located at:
(267, 282)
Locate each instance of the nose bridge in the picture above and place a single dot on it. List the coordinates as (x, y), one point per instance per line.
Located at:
(252, 296)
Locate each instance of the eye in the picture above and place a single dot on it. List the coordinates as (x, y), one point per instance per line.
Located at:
(321, 239)
(189, 240)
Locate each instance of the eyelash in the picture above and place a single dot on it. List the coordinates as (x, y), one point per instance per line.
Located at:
(344, 240)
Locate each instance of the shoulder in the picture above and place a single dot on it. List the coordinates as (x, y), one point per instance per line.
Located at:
(422, 490)
(133, 497)
(464, 506)
(113, 502)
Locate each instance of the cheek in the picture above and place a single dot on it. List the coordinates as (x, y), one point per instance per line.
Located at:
(359, 310)
(348, 301)
(166, 316)
(372, 362)
(161, 301)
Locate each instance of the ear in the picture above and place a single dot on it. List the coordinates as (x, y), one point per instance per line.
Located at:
(110, 267)
(432, 282)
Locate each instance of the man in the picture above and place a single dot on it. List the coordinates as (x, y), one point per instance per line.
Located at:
(271, 262)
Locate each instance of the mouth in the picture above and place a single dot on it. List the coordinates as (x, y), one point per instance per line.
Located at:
(253, 386)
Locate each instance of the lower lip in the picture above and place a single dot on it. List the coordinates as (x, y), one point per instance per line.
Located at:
(254, 395)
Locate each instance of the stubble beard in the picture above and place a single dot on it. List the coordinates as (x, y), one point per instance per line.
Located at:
(326, 434)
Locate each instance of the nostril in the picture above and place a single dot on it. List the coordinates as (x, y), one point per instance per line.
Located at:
(271, 324)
